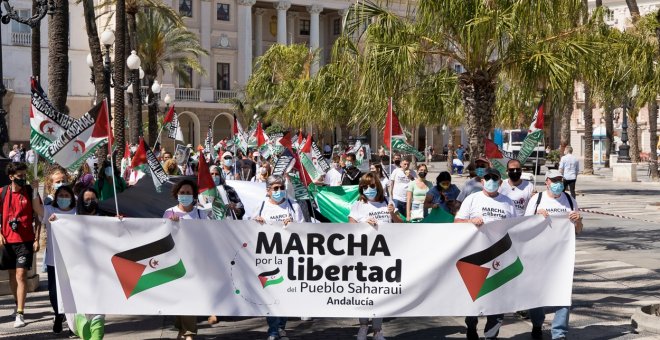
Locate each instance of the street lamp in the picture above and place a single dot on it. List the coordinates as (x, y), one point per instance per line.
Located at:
(43, 7)
(624, 148)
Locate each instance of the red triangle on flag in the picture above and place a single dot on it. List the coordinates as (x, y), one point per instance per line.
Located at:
(539, 116)
(259, 133)
(102, 128)
(127, 151)
(140, 156)
(235, 127)
(492, 151)
(169, 117)
(307, 148)
(285, 141)
(392, 126)
(473, 277)
(204, 179)
(128, 273)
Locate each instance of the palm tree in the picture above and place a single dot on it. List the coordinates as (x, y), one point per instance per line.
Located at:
(164, 45)
(35, 46)
(491, 40)
(58, 55)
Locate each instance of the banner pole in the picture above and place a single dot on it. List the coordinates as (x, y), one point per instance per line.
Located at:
(158, 138)
(391, 114)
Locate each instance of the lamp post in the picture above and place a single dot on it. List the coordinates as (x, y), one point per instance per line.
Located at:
(43, 7)
(624, 148)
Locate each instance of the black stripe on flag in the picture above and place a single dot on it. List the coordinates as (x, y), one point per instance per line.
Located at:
(270, 273)
(490, 253)
(149, 250)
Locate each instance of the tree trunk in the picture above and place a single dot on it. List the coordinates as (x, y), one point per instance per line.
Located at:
(588, 132)
(634, 10)
(58, 55)
(653, 133)
(119, 71)
(633, 136)
(152, 113)
(94, 48)
(478, 95)
(136, 112)
(565, 129)
(36, 45)
(609, 132)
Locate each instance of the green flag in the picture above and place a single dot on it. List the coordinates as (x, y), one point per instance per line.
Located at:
(335, 202)
(529, 144)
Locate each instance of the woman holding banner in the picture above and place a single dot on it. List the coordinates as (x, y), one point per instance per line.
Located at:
(372, 208)
(185, 192)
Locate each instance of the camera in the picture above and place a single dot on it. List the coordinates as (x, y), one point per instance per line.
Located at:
(14, 224)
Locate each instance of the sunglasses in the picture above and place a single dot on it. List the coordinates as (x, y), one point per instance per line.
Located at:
(493, 177)
(228, 158)
(372, 186)
(277, 187)
(515, 170)
(556, 180)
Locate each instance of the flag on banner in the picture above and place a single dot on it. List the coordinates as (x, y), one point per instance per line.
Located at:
(392, 127)
(148, 266)
(206, 187)
(46, 123)
(81, 139)
(260, 135)
(144, 160)
(537, 121)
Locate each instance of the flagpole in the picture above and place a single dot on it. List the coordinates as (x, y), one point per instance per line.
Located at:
(158, 138)
(390, 112)
(112, 161)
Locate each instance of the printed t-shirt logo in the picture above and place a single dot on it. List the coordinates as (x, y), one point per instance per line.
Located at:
(504, 264)
(148, 266)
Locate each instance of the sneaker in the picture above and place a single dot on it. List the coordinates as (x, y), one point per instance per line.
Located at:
(379, 336)
(20, 321)
(472, 334)
(362, 332)
(537, 333)
(57, 323)
(282, 332)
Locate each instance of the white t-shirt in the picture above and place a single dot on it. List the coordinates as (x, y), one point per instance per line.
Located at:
(194, 214)
(520, 194)
(272, 213)
(554, 206)
(48, 211)
(400, 182)
(488, 208)
(332, 178)
(361, 211)
(570, 166)
(384, 182)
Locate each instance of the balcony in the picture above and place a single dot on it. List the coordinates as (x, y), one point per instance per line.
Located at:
(219, 95)
(186, 95)
(21, 38)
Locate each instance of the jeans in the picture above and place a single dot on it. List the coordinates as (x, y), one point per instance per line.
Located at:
(376, 323)
(401, 206)
(457, 169)
(559, 323)
(275, 323)
(570, 185)
(52, 288)
(493, 324)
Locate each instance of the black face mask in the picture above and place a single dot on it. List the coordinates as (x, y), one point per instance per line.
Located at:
(422, 174)
(397, 162)
(19, 181)
(515, 175)
(90, 206)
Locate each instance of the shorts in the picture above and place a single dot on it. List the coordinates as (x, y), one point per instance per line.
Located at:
(18, 255)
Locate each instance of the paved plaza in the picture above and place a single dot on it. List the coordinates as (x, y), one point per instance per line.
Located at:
(617, 269)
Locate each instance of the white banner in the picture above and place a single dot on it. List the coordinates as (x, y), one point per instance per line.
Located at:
(241, 268)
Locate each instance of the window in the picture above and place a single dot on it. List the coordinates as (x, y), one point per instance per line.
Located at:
(336, 27)
(17, 27)
(458, 68)
(222, 79)
(185, 78)
(185, 8)
(223, 12)
(304, 27)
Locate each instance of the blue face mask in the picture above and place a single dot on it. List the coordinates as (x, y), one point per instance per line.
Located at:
(557, 188)
(370, 193)
(185, 200)
(480, 172)
(216, 180)
(278, 195)
(492, 185)
(227, 162)
(348, 164)
(63, 202)
(58, 185)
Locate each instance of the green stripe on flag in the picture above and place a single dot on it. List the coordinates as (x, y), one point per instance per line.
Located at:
(159, 277)
(274, 282)
(503, 276)
(529, 144)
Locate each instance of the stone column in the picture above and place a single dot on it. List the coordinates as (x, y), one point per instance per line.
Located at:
(291, 28)
(282, 7)
(206, 88)
(314, 29)
(259, 31)
(244, 40)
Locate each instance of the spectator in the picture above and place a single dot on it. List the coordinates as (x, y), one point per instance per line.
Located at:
(352, 174)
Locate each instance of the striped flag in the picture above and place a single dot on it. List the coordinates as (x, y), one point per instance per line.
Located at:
(46, 123)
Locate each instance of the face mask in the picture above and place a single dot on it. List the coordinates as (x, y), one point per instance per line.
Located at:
(515, 175)
(556, 188)
(58, 185)
(422, 174)
(63, 202)
(397, 162)
(108, 171)
(444, 186)
(349, 164)
(480, 172)
(370, 193)
(492, 185)
(216, 180)
(19, 181)
(185, 200)
(278, 195)
(90, 205)
(227, 162)
(263, 171)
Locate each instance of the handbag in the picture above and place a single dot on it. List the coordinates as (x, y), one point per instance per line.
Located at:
(417, 214)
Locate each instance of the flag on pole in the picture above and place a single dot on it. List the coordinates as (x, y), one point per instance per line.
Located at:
(206, 187)
(144, 160)
(240, 139)
(81, 139)
(537, 121)
(208, 142)
(46, 123)
(392, 127)
(260, 135)
(535, 135)
(169, 117)
(496, 157)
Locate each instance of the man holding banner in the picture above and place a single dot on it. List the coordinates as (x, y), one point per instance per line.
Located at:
(480, 208)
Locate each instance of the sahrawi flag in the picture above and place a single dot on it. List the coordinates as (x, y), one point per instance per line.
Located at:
(144, 160)
(81, 139)
(394, 137)
(148, 266)
(46, 123)
(535, 135)
(270, 278)
(489, 269)
(207, 188)
(496, 157)
(172, 123)
(239, 137)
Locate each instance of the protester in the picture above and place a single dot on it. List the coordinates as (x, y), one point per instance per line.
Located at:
(395, 164)
(234, 207)
(480, 208)
(64, 203)
(84, 179)
(30, 157)
(246, 167)
(377, 169)
(416, 193)
(15, 154)
(18, 236)
(517, 189)
(57, 177)
(474, 184)
(569, 166)
(442, 193)
(460, 152)
(262, 174)
(277, 208)
(166, 156)
(553, 202)
(104, 183)
(457, 166)
(171, 168)
(22, 153)
(185, 192)
(372, 208)
(333, 176)
(399, 181)
(228, 171)
(352, 174)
